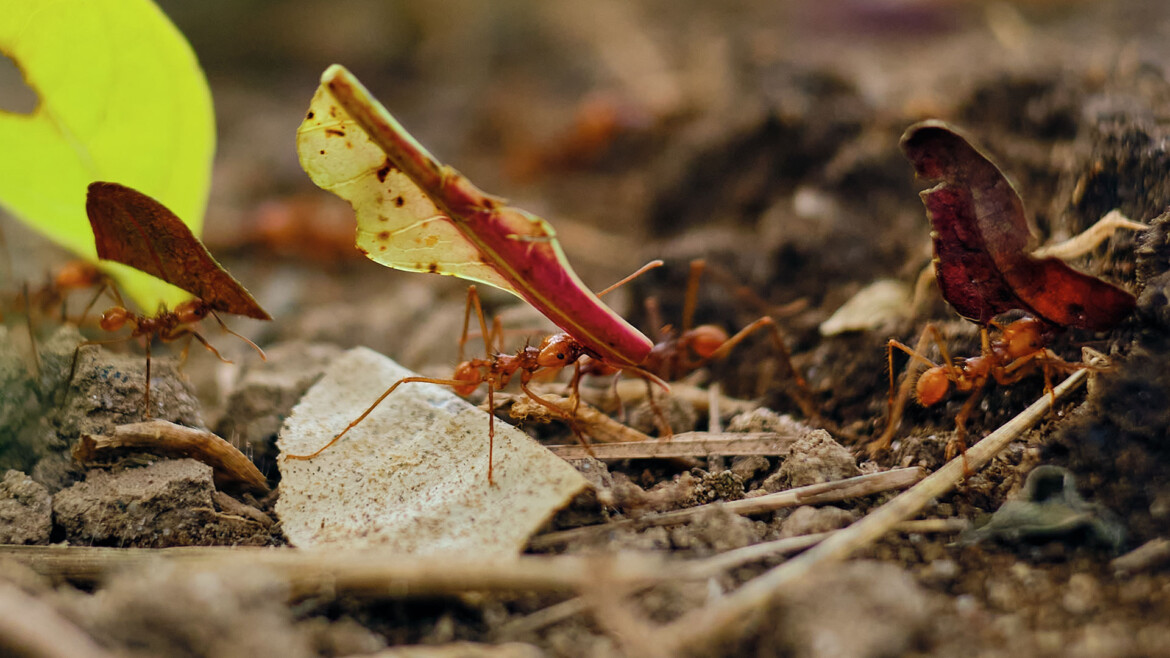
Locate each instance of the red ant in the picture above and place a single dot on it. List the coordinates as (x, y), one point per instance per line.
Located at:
(134, 229)
(166, 325)
(496, 370)
(682, 351)
(1018, 352)
(677, 354)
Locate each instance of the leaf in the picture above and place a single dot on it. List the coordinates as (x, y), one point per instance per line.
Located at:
(416, 214)
(981, 241)
(134, 229)
(120, 97)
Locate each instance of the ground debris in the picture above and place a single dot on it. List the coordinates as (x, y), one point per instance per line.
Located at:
(165, 503)
(26, 514)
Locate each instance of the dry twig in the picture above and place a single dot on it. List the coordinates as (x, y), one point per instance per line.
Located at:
(687, 444)
(813, 494)
(370, 573)
(230, 466)
(738, 607)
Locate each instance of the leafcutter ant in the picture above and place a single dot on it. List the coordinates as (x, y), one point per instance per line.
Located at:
(136, 230)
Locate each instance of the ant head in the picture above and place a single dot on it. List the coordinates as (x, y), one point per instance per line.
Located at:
(115, 318)
(76, 274)
(932, 386)
(467, 372)
(704, 339)
(558, 350)
(192, 310)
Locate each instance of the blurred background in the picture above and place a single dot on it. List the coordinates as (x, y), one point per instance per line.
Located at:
(760, 135)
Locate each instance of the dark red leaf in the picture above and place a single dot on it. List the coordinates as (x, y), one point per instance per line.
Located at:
(134, 229)
(981, 242)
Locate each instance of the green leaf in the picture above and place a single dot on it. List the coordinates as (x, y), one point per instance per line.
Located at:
(121, 98)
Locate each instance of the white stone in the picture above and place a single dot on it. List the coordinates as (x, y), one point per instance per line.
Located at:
(412, 476)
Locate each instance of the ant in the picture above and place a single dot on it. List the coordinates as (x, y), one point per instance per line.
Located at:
(134, 229)
(673, 356)
(166, 325)
(74, 275)
(1019, 351)
(496, 370)
(681, 351)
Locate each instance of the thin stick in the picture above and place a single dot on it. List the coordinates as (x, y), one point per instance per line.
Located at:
(688, 444)
(600, 427)
(715, 566)
(813, 494)
(693, 627)
(338, 573)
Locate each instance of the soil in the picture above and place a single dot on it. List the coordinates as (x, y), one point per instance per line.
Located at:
(760, 136)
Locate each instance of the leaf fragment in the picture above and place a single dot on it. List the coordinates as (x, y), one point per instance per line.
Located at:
(419, 215)
(134, 229)
(981, 241)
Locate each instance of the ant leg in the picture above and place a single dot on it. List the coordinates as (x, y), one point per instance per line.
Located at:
(146, 396)
(654, 318)
(86, 343)
(568, 417)
(405, 380)
(692, 297)
(664, 429)
(958, 445)
(93, 300)
(803, 397)
(32, 334)
(473, 302)
(897, 404)
(491, 400)
(202, 341)
(186, 351)
(575, 386)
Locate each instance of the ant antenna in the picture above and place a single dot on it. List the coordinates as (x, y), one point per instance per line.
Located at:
(223, 326)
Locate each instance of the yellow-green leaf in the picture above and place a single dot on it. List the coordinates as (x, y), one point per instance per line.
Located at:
(121, 98)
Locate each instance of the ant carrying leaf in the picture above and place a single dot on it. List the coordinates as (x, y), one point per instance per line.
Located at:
(419, 215)
(496, 369)
(416, 214)
(984, 269)
(134, 229)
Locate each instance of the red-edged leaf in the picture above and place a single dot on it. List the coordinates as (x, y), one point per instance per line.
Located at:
(981, 241)
(134, 229)
(416, 214)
